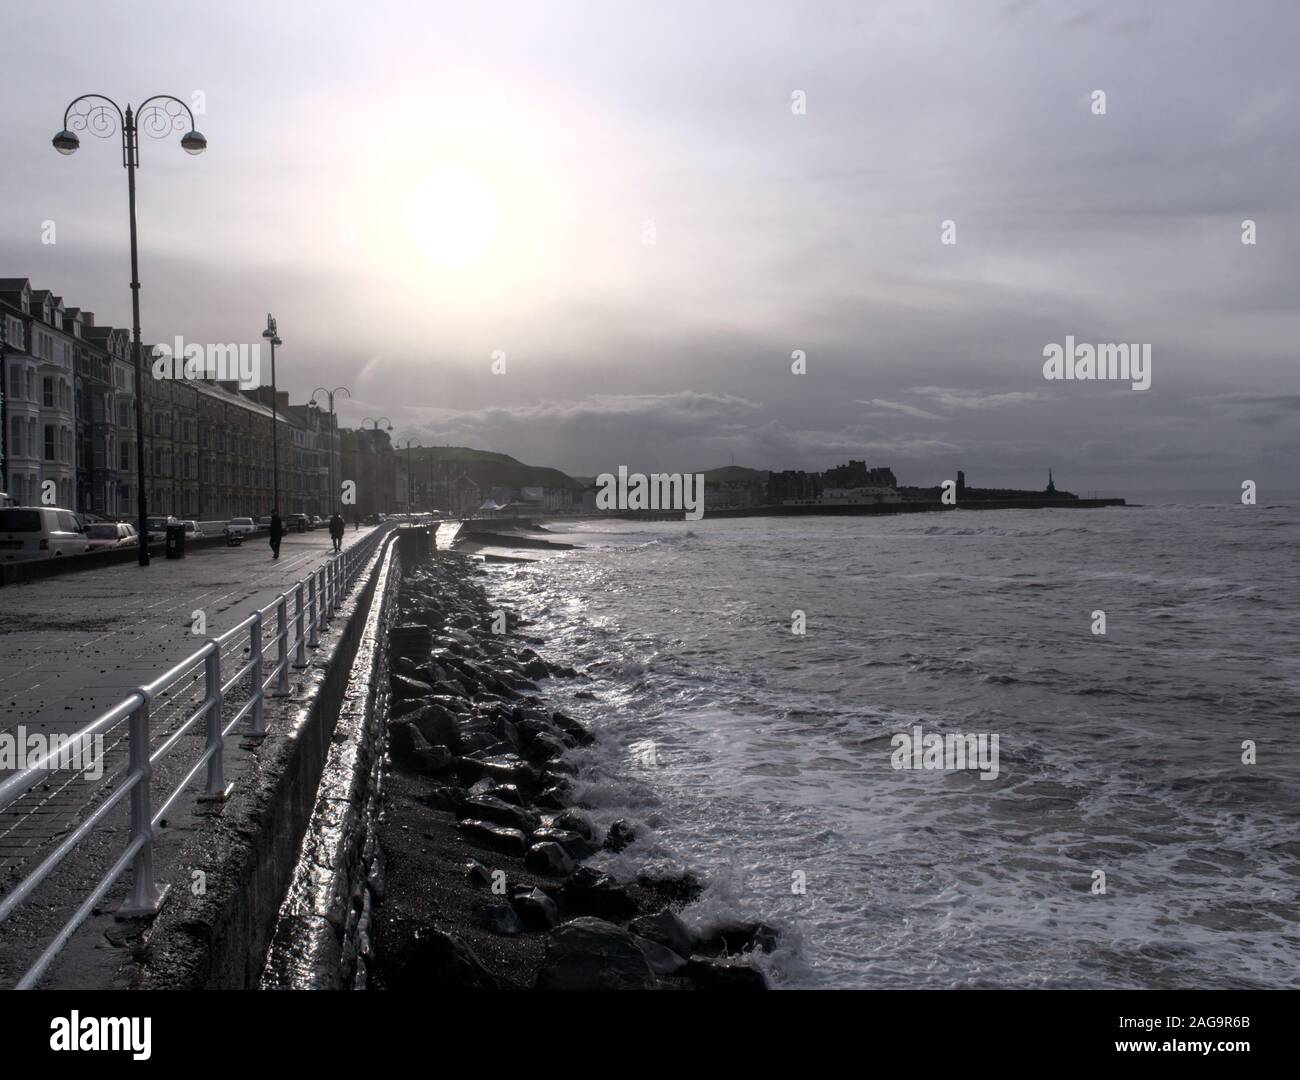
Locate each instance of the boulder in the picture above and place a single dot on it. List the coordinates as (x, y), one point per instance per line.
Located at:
(549, 858)
(496, 837)
(406, 687)
(574, 843)
(490, 808)
(619, 836)
(665, 929)
(742, 938)
(589, 892)
(535, 909)
(662, 961)
(591, 954)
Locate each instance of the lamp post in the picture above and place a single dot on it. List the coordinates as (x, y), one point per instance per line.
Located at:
(330, 394)
(157, 116)
(273, 337)
(410, 445)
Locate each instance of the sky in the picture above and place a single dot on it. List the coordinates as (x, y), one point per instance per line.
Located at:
(638, 214)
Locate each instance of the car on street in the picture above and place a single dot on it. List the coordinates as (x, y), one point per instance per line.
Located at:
(264, 522)
(107, 535)
(240, 526)
(192, 530)
(40, 532)
(300, 522)
(317, 522)
(157, 527)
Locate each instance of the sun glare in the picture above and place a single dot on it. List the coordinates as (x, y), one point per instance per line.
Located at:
(452, 217)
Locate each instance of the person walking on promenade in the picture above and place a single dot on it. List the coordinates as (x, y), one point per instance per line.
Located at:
(356, 516)
(337, 528)
(277, 533)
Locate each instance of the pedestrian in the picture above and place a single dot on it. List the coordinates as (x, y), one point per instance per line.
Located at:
(337, 528)
(277, 533)
(356, 516)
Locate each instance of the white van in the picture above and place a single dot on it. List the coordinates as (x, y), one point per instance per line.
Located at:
(40, 532)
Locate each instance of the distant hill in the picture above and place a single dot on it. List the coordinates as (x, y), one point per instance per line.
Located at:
(735, 473)
(489, 469)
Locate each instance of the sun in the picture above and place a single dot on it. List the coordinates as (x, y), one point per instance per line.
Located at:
(452, 217)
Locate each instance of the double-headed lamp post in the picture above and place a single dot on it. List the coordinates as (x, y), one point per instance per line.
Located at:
(330, 394)
(411, 444)
(273, 337)
(158, 117)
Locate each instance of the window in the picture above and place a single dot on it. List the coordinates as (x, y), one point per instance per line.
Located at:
(49, 442)
(47, 385)
(124, 456)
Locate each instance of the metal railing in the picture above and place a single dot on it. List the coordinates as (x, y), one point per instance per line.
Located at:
(315, 598)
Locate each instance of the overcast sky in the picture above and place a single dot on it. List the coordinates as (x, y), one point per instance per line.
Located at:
(411, 187)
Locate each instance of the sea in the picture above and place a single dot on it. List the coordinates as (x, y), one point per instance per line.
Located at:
(749, 682)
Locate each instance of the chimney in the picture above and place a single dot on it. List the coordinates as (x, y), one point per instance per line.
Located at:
(87, 319)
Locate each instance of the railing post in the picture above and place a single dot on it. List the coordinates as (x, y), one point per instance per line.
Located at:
(299, 630)
(217, 789)
(337, 568)
(282, 641)
(145, 897)
(313, 641)
(324, 596)
(259, 695)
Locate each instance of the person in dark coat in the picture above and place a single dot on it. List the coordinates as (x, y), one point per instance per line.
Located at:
(277, 534)
(337, 528)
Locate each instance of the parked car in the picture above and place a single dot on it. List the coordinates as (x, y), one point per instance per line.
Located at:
(192, 530)
(298, 521)
(157, 527)
(40, 532)
(317, 522)
(240, 526)
(106, 535)
(264, 522)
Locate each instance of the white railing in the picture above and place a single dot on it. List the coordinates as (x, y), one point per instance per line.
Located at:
(315, 599)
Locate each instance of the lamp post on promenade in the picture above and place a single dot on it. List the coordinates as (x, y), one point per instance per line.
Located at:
(273, 336)
(410, 445)
(158, 117)
(330, 394)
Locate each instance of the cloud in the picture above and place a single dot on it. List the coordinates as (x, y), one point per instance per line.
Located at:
(899, 407)
(972, 399)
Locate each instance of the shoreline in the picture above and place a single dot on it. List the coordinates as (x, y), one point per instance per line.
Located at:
(484, 883)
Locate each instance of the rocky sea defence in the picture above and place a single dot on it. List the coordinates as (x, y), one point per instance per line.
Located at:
(485, 884)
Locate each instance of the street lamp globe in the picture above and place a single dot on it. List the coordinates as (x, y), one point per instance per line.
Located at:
(192, 142)
(65, 142)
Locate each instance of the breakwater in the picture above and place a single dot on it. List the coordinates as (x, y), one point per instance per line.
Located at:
(483, 841)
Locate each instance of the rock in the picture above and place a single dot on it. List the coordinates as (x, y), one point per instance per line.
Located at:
(537, 669)
(510, 769)
(619, 836)
(662, 961)
(413, 750)
(665, 929)
(545, 747)
(591, 893)
(412, 640)
(549, 858)
(478, 873)
(490, 808)
(572, 728)
(536, 909)
(591, 954)
(553, 798)
(406, 687)
(718, 975)
(575, 822)
(433, 960)
(749, 937)
(438, 725)
(576, 845)
(676, 889)
(401, 706)
(496, 837)
(502, 919)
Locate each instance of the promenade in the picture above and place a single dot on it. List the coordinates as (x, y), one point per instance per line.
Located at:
(73, 646)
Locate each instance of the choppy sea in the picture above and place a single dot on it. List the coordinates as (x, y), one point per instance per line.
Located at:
(1126, 840)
